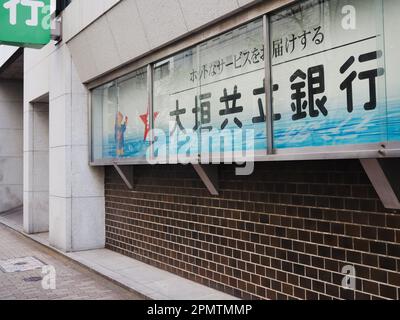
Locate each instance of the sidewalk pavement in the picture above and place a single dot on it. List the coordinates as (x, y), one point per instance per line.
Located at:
(144, 280)
(72, 281)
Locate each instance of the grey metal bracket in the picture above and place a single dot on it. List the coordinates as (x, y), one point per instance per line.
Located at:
(126, 175)
(209, 175)
(384, 175)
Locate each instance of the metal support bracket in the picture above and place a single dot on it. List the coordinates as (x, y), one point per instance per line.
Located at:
(384, 175)
(209, 175)
(126, 175)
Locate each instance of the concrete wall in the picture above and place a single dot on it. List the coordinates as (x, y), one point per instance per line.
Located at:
(76, 190)
(79, 14)
(74, 215)
(11, 139)
(36, 168)
(5, 53)
(36, 139)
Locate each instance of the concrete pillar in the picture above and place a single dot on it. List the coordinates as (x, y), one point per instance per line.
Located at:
(36, 168)
(77, 208)
(11, 144)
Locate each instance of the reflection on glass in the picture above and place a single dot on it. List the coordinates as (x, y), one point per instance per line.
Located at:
(328, 74)
(212, 90)
(173, 93)
(120, 118)
(232, 94)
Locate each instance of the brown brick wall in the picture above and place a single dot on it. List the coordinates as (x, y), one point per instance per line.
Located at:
(285, 232)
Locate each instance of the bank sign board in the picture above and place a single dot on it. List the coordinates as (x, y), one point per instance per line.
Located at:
(25, 23)
(329, 72)
(334, 85)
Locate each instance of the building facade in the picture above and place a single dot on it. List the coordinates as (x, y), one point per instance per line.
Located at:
(322, 197)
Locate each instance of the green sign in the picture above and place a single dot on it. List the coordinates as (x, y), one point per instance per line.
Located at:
(25, 23)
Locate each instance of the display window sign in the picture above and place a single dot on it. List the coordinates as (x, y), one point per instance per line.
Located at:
(213, 95)
(25, 23)
(121, 118)
(328, 71)
(320, 76)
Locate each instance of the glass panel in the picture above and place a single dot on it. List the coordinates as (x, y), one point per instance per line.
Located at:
(328, 74)
(119, 118)
(174, 91)
(231, 75)
(392, 46)
(209, 91)
(134, 112)
(104, 109)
